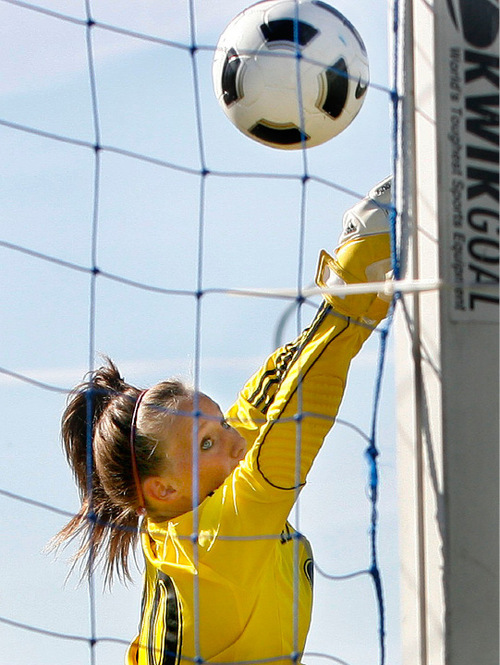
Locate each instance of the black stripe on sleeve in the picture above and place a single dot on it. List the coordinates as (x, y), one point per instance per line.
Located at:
(170, 623)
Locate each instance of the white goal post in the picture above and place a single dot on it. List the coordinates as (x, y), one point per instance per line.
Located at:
(447, 191)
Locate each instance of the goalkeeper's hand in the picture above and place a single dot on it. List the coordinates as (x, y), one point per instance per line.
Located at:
(363, 254)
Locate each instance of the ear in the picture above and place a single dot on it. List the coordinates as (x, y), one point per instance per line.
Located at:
(157, 490)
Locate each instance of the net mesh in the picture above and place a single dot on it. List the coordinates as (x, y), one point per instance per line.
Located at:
(141, 225)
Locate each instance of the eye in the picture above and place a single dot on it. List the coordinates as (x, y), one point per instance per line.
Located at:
(206, 444)
(225, 424)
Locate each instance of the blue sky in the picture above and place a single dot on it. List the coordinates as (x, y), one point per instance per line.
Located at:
(148, 230)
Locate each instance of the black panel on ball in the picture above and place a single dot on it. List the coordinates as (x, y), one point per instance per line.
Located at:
(336, 89)
(283, 30)
(280, 136)
(229, 73)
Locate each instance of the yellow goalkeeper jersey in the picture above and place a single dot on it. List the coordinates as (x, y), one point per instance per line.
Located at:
(232, 581)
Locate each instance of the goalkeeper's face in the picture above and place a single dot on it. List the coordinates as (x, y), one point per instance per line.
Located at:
(206, 443)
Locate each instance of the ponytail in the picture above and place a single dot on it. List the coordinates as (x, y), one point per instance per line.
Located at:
(107, 523)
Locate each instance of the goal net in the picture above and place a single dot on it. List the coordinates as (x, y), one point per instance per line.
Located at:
(140, 224)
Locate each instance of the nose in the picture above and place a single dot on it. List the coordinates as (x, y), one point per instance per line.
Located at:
(239, 446)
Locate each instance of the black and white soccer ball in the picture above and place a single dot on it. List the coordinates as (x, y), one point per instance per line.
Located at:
(291, 73)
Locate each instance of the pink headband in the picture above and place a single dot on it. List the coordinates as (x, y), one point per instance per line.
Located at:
(135, 471)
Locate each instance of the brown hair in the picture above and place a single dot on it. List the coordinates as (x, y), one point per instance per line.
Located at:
(100, 410)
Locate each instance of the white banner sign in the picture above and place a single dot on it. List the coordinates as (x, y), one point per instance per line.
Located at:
(467, 94)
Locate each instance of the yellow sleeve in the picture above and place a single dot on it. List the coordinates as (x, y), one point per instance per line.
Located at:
(287, 408)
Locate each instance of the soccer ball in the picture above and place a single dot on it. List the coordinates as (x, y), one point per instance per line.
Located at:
(290, 73)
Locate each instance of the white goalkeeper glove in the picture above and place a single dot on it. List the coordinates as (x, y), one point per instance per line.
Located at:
(363, 254)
